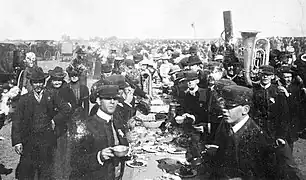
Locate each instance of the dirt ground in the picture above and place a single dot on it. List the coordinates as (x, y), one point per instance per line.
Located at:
(9, 158)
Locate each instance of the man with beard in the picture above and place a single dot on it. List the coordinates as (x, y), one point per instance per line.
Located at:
(33, 135)
(92, 154)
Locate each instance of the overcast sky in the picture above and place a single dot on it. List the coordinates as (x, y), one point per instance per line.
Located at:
(49, 19)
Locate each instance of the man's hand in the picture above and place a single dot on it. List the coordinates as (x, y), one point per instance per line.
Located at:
(283, 90)
(187, 115)
(53, 124)
(18, 148)
(280, 142)
(107, 153)
(129, 95)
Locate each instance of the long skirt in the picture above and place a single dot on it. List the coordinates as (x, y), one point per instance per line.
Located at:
(62, 168)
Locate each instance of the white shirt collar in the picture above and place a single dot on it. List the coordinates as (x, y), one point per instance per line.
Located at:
(240, 124)
(194, 90)
(103, 115)
(265, 86)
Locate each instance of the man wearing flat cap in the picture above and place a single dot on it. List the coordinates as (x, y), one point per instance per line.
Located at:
(37, 113)
(271, 111)
(92, 155)
(240, 142)
(244, 150)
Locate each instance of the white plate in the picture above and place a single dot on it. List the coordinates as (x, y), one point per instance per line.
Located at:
(151, 149)
(211, 146)
(194, 173)
(176, 151)
(130, 163)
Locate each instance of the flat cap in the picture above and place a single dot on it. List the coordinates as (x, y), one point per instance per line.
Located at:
(193, 60)
(235, 95)
(106, 68)
(118, 80)
(266, 69)
(284, 69)
(190, 75)
(108, 91)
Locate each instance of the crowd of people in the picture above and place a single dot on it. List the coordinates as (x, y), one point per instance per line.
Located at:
(58, 135)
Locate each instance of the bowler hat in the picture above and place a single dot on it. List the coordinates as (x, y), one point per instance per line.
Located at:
(106, 68)
(129, 62)
(284, 69)
(190, 75)
(80, 51)
(235, 95)
(193, 60)
(37, 74)
(193, 49)
(266, 69)
(57, 72)
(108, 91)
(118, 80)
(137, 58)
(169, 48)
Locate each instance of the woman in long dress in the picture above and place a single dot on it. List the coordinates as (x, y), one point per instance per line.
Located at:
(78, 97)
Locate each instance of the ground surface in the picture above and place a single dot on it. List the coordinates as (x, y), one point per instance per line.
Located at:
(9, 158)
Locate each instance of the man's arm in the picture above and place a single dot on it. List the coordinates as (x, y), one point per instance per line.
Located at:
(18, 122)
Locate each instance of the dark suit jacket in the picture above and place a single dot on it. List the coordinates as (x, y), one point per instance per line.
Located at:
(23, 126)
(271, 111)
(242, 154)
(93, 137)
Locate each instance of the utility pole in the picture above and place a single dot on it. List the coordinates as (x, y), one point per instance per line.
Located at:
(228, 26)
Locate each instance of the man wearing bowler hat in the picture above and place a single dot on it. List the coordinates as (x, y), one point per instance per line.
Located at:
(33, 135)
(92, 155)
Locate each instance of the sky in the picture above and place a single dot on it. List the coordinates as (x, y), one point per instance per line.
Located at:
(50, 19)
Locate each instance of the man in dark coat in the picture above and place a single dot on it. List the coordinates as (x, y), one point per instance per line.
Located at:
(271, 111)
(293, 90)
(33, 135)
(241, 144)
(92, 152)
(243, 149)
(272, 114)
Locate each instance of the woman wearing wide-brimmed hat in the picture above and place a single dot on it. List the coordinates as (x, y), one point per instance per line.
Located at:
(62, 154)
(80, 90)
